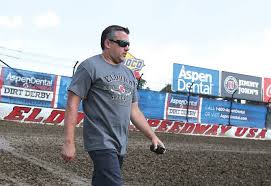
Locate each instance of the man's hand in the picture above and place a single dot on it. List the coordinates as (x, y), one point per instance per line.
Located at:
(158, 150)
(140, 122)
(157, 146)
(70, 121)
(68, 152)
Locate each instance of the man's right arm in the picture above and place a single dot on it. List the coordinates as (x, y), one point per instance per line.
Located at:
(70, 121)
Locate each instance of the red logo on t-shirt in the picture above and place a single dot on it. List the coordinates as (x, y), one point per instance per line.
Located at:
(122, 89)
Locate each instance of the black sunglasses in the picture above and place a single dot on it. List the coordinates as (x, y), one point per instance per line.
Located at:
(121, 43)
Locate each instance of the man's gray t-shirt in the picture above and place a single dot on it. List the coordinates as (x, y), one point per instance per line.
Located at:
(107, 91)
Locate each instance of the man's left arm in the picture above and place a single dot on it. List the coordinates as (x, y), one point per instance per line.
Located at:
(140, 122)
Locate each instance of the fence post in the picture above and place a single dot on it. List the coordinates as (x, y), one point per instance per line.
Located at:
(188, 100)
(229, 123)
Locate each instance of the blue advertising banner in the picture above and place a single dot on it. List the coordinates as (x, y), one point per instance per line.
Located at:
(27, 87)
(201, 80)
(63, 93)
(217, 112)
(176, 108)
(152, 104)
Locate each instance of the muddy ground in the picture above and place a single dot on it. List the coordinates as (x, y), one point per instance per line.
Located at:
(30, 155)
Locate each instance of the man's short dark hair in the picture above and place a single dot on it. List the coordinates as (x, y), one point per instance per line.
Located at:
(109, 33)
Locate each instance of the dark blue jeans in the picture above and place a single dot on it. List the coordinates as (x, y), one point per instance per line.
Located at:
(107, 167)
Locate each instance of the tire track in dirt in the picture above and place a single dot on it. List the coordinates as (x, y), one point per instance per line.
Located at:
(7, 150)
(5, 180)
(190, 160)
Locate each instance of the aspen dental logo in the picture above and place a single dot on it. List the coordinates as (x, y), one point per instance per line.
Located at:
(201, 79)
(29, 82)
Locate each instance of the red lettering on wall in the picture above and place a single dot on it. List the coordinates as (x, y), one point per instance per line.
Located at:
(224, 129)
(188, 128)
(213, 130)
(153, 122)
(164, 126)
(17, 113)
(251, 133)
(200, 129)
(80, 117)
(56, 117)
(176, 127)
(33, 115)
(240, 131)
(262, 134)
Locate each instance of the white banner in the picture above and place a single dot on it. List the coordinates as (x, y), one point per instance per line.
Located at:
(51, 116)
(26, 93)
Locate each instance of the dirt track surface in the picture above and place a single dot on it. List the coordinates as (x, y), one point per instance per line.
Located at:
(30, 155)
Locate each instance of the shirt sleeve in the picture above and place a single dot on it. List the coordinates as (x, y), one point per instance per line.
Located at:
(135, 96)
(81, 82)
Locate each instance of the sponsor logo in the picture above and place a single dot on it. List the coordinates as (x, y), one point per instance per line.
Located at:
(194, 76)
(268, 91)
(134, 64)
(29, 82)
(183, 102)
(202, 82)
(230, 84)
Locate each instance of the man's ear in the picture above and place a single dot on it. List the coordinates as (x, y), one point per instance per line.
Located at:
(107, 43)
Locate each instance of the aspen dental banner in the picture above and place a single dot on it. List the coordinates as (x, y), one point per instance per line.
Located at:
(176, 108)
(217, 112)
(27, 87)
(198, 80)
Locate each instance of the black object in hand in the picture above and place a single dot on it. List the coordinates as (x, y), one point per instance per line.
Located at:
(158, 150)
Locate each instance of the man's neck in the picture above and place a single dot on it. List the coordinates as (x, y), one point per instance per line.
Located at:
(108, 59)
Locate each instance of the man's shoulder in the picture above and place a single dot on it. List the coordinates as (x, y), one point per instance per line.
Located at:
(91, 61)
